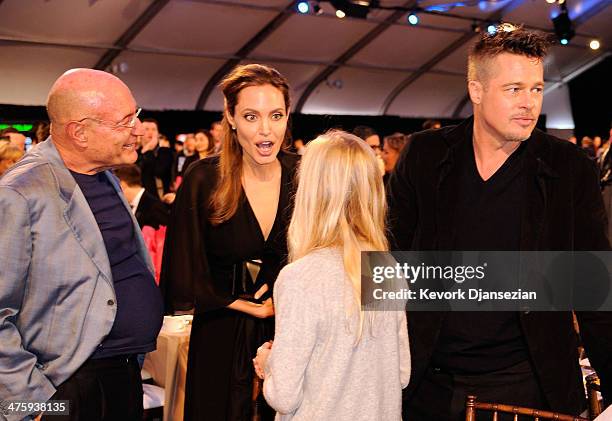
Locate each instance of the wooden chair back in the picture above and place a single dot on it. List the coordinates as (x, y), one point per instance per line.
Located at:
(472, 405)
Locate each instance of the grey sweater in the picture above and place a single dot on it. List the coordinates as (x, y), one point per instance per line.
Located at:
(315, 370)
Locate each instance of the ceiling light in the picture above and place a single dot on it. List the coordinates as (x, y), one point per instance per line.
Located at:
(303, 7)
(355, 8)
(594, 44)
(564, 29)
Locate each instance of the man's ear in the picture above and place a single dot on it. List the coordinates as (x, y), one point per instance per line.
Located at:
(475, 89)
(76, 132)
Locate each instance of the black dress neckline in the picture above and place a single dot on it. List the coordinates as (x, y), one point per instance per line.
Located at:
(279, 207)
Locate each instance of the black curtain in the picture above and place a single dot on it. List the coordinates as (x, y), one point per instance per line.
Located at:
(170, 122)
(303, 126)
(308, 126)
(591, 99)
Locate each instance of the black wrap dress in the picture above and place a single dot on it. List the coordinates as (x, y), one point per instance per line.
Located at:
(204, 268)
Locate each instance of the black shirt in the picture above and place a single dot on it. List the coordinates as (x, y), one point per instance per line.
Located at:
(204, 264)
(151, 211)
(190, 160)
(487, 217)
(155, 164)
(139, 304)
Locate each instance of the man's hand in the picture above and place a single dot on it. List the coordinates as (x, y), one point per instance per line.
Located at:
(149, 145)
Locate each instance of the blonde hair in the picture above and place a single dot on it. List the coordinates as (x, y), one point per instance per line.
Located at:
(9, 153)
(340, 202)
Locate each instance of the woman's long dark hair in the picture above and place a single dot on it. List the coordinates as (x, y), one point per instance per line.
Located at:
(225, 199)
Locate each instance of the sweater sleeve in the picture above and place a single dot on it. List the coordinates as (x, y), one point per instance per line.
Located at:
(297, 313)
(404, 349)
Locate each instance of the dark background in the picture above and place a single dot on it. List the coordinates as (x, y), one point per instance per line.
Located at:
(590, 96)
(591, 99)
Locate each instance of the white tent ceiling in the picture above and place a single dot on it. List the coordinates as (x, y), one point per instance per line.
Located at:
(173, 52)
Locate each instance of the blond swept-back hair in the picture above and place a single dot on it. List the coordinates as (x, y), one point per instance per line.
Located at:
(226, 197)
(340, 202)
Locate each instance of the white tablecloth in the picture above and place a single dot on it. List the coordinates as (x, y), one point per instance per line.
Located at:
(168, 367)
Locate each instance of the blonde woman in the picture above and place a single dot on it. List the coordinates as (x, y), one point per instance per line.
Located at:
(329, 359)
(9, 155)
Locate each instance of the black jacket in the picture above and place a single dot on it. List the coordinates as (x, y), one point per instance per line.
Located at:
(154, 164)
(563, 211)
(151, 211)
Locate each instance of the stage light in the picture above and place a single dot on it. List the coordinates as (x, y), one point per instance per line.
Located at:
(594, 44)
(303, 7)
(563, 26)
(354, 8)
(551, 1)
(413, 19)
(492, 29)
(340, 13)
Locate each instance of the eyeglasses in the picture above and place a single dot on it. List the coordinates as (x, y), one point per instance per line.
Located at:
(129, 125)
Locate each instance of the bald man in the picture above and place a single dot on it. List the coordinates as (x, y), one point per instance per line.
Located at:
(78, 300)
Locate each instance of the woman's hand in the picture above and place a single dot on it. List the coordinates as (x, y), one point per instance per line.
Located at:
(265, 309)
(168, 198)
(261, 359)
(261, 311)
(261, 291)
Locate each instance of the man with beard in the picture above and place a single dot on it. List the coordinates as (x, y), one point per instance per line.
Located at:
(494, 182)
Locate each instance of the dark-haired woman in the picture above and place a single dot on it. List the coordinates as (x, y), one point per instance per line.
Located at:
(231, 209)
(204, 147)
